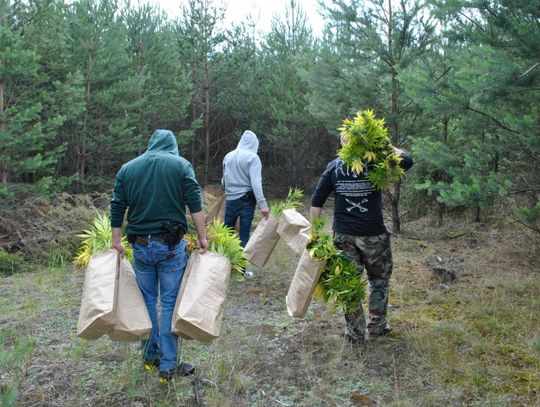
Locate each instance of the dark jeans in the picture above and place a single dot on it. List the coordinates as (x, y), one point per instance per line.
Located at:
(243, 208)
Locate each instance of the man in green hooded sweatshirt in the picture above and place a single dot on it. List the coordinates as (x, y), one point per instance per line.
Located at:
(155, 189)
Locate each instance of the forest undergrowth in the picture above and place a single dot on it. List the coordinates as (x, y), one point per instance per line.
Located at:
(464, 307)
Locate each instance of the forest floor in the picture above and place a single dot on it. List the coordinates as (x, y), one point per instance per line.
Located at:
(464, 307)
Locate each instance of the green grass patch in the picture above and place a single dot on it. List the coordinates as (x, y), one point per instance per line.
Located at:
(474, 343)
(10, 263)
(474, 339)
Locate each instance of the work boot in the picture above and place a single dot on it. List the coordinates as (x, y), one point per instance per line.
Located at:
(184, 369)
(354, 339)
(381, 331)
(151, 364)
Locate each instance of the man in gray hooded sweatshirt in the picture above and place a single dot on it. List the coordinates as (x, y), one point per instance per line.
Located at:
(242, 180)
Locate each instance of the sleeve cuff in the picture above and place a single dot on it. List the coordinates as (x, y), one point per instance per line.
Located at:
(195, 208)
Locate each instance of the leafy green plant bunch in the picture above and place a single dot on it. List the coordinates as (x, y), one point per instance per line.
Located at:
(293, 201)
(366, 143)
(98, 238)
(222, 240)
(340, 284)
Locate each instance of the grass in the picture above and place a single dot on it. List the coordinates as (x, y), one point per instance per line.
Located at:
(474, 342)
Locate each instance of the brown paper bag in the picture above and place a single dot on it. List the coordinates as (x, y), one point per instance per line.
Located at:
(98, 296)
(131, 321)
(305, 278)
(294, 229)
(112, 302)
(199, 306)
(262, 242)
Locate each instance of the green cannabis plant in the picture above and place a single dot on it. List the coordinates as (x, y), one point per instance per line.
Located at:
(98, 238)
(224, 240)
(366, 144)
(340, 284)
(293, 201)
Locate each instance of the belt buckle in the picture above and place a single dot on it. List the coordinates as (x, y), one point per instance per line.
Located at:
(158, 237)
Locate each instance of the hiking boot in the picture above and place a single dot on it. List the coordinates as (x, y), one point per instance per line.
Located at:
(354, 339)
(381, 331)
(184, 369)
(151, 364)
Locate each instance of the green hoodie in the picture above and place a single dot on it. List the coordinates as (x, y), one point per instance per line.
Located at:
(155, 187)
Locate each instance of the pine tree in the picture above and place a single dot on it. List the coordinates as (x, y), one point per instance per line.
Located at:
(367, 46)
(32, 90)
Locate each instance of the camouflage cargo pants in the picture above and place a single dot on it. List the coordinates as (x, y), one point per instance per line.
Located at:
(373, 253)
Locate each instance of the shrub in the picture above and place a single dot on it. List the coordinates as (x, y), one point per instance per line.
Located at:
(10, 263)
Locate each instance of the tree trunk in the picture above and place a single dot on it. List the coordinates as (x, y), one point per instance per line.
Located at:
(83, 147)
(3, 130)
(294, 156)
(206, 121)
(396, 221)
(194, 136)
(440, 214)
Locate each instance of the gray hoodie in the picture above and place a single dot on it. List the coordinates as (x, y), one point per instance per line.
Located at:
(242, 170)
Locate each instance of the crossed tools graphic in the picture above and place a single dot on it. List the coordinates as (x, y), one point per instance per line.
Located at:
(357, 205)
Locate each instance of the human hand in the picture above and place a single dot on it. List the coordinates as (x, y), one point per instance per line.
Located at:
(202, 244)
(119, 247)
(265, 213)
(397, 151)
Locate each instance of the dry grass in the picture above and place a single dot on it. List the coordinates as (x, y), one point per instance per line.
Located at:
(473, 342)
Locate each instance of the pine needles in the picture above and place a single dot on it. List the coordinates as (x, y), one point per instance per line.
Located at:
(340, 284)
(366, 143)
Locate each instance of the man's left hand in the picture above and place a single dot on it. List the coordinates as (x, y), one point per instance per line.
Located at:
(203, 245)
(119, 247)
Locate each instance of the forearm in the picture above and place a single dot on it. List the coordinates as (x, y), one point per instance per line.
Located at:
(117, 240)
(255, 174)
(116, 235)
(198, 219)
(315, 212)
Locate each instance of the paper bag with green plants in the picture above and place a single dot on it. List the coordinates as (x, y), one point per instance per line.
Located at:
(200, 303)
(325, 273)
(112, 302)
(294, 229)
(262, 242)
(305, 278)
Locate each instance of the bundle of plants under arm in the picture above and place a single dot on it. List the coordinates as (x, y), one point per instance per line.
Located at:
(98, 238)
(340, 284)
(366, 143)
(222, 240)
(293, 201)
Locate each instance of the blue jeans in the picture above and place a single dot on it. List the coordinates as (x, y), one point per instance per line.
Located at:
(243, 208)
(156, 269)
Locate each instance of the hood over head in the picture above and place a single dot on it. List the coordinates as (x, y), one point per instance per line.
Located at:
(249, 142)
(163, 141)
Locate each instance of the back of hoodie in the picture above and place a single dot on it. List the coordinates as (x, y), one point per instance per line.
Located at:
(242, 170)
(155, 187)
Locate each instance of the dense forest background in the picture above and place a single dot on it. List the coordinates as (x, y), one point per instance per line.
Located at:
(83, 85)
